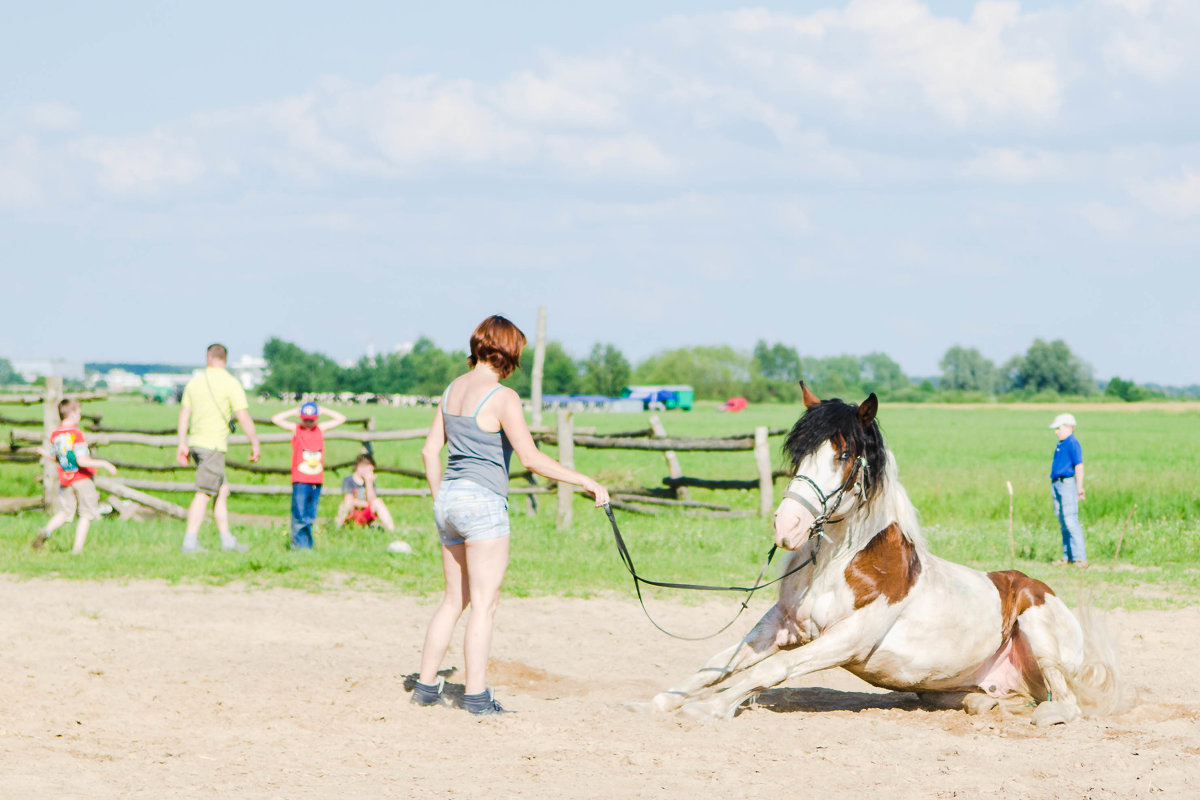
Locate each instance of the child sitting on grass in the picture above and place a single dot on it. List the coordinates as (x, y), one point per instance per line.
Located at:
(308, 465)
(75, 470)
(361, 506)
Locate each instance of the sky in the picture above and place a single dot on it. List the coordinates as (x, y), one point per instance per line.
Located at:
(842, 177)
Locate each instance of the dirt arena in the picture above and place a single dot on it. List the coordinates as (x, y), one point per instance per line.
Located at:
(148, 690)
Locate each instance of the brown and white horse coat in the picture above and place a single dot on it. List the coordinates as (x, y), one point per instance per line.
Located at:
(878, 603)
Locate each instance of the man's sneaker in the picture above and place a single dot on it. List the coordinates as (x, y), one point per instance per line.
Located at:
(39, 540)
(426, 695)
(236, 547)
(187, 551)
(484, 704)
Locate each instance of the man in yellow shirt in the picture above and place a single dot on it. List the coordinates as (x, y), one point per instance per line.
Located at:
(210, 402)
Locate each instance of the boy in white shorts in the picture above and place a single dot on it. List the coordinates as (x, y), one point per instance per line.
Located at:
(76, 467)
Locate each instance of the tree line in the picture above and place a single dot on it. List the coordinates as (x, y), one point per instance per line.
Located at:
(771, 371)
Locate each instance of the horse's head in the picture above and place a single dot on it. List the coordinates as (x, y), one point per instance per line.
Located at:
(838, 457)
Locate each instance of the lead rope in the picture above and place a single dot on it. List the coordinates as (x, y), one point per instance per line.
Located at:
(815, 531)
(638, 580)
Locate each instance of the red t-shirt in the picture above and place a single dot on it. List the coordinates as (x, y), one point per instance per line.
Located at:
(308, 455)
(67, 444)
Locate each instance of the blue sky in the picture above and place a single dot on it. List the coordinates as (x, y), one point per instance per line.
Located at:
(844, 177)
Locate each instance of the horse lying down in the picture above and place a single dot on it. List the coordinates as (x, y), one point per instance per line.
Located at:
(874, 600)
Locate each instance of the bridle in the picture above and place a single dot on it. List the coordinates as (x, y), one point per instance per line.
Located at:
(858, 479)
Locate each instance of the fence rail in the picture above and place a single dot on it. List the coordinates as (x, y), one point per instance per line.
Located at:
(564, 436)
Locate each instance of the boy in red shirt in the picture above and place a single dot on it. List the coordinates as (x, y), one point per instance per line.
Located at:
(308, 465)
(75, 470)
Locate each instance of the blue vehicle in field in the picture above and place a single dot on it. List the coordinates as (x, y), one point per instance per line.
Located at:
(664, 397)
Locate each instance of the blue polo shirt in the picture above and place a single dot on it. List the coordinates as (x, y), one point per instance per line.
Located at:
(1067, 454)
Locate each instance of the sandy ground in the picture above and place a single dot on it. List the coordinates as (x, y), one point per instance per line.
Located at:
(147, 690)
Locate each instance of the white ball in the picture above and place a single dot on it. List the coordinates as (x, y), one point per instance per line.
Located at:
(399, 546)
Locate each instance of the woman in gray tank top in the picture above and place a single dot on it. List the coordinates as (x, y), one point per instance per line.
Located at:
(481, 423)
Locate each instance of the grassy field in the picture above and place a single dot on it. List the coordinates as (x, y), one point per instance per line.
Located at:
(954, 461)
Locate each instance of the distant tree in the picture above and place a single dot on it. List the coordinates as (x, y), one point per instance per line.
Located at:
(714, 372)
(1130, 392)
(1051, 366)
(292, 369)
(8, 374)
(967, 370)
(605, 371)
(835, 376)
(881, 374)
(777, 362)
(560, 373)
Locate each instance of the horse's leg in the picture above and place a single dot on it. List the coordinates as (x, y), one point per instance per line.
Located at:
(1056, 642)
(760, 643)
(837, 645)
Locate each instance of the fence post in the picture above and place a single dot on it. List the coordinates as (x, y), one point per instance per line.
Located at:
(766, 482)
(54, 395)
(673, 467)
(539, 361)
(566, 457)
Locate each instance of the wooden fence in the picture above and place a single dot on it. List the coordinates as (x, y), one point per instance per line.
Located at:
(564, 435)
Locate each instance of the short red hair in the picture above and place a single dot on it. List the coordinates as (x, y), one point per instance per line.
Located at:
(497, 342)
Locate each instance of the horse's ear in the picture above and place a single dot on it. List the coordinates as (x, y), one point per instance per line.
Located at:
(868, 410)
(809, 398)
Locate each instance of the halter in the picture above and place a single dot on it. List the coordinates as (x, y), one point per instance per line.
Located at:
(829, 503)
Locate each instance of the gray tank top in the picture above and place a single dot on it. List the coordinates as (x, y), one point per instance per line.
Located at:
(476, 455)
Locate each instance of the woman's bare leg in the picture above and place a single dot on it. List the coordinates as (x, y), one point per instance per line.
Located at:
(456, 597)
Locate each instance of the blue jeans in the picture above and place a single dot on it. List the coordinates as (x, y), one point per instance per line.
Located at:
(1066, 508)
(305, 497)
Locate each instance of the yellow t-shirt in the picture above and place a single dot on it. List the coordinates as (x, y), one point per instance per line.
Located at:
(214, 397)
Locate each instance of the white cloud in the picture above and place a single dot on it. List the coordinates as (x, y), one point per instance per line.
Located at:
(1105, 218)
(148, 164)
(1010, 165)
(1176, 197)
(53, 116)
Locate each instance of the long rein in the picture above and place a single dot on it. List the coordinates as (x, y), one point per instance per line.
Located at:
(815, 531)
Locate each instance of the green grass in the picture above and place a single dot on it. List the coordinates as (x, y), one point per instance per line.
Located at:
(954, 461)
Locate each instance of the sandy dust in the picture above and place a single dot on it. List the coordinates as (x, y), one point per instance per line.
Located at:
(149, 690)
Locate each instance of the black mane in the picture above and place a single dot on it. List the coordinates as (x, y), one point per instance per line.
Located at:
(832, 419)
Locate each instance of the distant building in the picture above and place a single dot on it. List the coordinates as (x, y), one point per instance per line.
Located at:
(32, 369)
(249, 370)
(120, 380)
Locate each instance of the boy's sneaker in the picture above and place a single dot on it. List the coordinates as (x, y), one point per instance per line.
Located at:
(187, 551)
(236, 547)
(39, 540)
(426, 695)
(484, 704)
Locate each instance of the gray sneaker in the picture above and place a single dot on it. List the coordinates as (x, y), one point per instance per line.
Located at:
(484, 704)
(187, 551)
(426, 695)
(236, 547)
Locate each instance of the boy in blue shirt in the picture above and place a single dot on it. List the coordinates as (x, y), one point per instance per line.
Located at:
(1066, 488)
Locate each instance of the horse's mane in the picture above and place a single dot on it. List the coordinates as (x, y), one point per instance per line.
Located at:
(835, 419)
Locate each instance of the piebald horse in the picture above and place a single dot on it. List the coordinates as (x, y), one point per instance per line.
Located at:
(875, 601)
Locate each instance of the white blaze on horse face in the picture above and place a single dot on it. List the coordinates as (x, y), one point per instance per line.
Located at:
(793, 517)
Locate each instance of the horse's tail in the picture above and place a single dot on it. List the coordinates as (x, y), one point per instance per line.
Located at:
(1097, 681)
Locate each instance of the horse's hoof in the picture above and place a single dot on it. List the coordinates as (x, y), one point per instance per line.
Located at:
(979, 703)
(667, 701)
(1055, 713)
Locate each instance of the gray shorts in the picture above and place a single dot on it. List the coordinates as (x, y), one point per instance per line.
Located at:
(210, 469)
(81, 495)
(465, 511)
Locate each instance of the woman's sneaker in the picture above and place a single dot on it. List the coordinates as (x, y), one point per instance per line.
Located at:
(426, 695)
(484, 704)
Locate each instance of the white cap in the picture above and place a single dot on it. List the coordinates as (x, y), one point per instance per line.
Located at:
(1063, 419)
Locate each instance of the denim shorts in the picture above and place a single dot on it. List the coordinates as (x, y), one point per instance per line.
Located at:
(465, 511)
